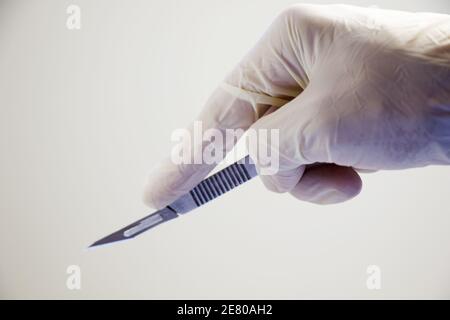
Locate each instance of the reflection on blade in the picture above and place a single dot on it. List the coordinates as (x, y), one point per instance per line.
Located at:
(138, 227)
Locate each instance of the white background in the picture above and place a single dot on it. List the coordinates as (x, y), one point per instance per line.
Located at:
(84, 116)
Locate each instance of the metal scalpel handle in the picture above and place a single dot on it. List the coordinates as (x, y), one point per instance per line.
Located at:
(207, 190)
(215, 185)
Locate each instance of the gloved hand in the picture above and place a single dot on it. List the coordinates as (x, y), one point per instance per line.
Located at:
(360, 89)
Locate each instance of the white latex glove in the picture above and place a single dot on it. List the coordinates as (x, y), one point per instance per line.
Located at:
(365, 88)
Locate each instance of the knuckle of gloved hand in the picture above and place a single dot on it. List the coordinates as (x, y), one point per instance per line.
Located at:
(305, 16)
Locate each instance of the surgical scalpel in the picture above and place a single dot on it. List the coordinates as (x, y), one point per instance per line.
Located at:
(207, 190)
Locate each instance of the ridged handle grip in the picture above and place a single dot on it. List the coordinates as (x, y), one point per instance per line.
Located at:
(223, 181)
(215, 185)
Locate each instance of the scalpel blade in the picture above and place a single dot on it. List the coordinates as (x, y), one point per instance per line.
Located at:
(138, 227)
